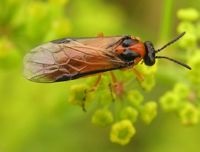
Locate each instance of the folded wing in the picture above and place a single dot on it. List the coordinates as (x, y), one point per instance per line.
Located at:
(67, 59)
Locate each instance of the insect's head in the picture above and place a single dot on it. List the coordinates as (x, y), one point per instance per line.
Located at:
(149, 58)
(150, 55)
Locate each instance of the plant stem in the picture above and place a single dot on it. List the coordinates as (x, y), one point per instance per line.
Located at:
(166, 21)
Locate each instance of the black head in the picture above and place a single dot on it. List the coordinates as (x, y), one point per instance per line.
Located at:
(150, 56)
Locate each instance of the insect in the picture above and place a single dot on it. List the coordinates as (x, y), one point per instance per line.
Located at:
(72, 58)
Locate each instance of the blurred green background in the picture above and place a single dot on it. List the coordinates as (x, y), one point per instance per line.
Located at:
(37, 117)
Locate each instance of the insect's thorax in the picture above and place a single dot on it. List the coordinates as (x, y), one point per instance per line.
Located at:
(131, 50)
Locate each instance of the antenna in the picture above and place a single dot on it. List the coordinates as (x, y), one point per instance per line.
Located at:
(171, 42)
(173, 60)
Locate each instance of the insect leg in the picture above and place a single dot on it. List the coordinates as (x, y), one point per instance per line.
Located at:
(92, 89)
(111, 91)
(116, 86)
(138, 75)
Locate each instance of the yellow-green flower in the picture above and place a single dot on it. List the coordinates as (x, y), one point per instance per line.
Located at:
(170, 101)
(182, 90)
(129, 113)
(189, 14)
(189, 40)
(122, 132)
(78, 95)
(102, 117)
(149, 111)
(148, 83)
(135, 98)
(187, 27)
(194, 74)
(189, 114)
(148, 72)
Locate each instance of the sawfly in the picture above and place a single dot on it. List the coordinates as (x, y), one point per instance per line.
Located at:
(71, 58)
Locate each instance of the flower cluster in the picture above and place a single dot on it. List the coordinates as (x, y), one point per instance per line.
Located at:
(118, 104)
(126, 110)
(184, 98)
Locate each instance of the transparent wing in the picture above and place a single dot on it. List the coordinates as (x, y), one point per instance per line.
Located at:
(67, 59)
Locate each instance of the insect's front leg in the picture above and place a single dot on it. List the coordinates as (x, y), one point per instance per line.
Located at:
(138, 75)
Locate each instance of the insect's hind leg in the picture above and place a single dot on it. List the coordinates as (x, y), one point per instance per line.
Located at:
(92, 89)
